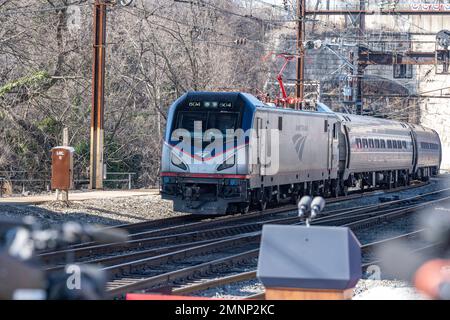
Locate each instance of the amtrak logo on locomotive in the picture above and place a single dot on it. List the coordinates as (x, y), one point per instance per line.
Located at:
(299, 144)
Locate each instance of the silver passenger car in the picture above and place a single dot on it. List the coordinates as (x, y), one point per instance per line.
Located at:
(378, 149)
(429, 151)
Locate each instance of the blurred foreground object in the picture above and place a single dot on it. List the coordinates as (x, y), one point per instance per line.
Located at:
(433, 279)
(428, 270)
(23, 277)
(309, 263)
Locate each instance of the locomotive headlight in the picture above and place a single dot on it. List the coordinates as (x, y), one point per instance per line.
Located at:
(177, 162)
(227, 164)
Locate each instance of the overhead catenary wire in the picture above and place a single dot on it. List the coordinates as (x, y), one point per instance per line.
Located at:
(147, 13)
(218, 43)
(225, 11)
(389, 34)
(37, 10)
(210, 6)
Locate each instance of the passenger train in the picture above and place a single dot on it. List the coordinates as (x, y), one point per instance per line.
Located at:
(282, 154)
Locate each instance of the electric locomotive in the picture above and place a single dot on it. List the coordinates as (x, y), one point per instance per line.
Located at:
(226, 151)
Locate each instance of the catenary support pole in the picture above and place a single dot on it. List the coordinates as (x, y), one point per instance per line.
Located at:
(98, 100)
(299, 86)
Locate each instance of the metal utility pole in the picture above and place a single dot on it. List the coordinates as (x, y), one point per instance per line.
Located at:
(299, 86)
(98, 96)
(360, 70)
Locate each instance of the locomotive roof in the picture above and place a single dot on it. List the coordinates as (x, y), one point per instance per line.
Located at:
(255, 103)
(229, 95)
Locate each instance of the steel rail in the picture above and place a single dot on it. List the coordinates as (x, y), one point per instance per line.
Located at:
(225, 231)
(172, 276)
(161, 226)
(209, 236)
(364, 222)
(139, 265)
(252, 275)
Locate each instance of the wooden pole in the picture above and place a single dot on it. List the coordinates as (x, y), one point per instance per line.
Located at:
(98, 93)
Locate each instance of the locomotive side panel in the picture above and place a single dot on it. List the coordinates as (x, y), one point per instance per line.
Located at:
(305, 149)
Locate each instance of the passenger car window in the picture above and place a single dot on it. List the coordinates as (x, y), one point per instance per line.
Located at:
(365, 144)
(389, 144)
(404, 145)
(371, 145)
(394, 144)
(383, 144)
(377, 143)
(358, 143)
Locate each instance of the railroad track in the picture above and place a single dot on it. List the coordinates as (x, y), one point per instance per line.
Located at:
(179, 241)
(218, 256)
(160, 258)
(185, 222)
(157, 242)
(179, 235)
(202, 284)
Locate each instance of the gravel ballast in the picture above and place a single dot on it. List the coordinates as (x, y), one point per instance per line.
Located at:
(365, 290)
(108, 212)
(114, 211)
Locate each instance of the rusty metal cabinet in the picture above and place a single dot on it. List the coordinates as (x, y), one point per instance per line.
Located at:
(62, 168)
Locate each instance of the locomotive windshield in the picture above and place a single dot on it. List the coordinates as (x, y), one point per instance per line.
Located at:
(221, 121)
(210, 111)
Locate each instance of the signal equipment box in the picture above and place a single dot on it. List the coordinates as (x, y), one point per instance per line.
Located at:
(62, 168)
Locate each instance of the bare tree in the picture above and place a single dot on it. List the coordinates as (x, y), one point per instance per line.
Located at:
(156, 51)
